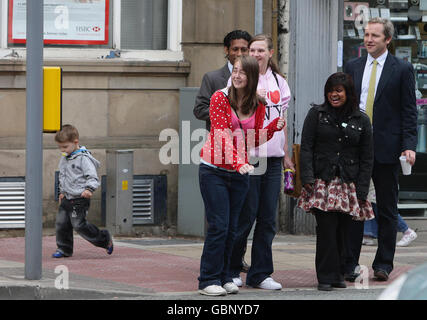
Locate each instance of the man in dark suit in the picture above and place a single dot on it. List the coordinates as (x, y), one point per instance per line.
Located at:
(386, 86)
(236, 43)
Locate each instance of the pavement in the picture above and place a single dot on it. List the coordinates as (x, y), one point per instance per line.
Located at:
(156, 268)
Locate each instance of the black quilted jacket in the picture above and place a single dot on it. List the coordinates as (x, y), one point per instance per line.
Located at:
(331, 147)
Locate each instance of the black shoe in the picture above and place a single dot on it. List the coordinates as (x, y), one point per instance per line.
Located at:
(341, 285)
(245, 267)
(351, 277)
(381, 275)
(324, 287)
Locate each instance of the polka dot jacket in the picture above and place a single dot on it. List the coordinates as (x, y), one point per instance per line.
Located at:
(221, 148)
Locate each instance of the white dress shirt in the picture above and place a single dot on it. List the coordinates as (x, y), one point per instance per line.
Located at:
(230, 66)
(367, 76)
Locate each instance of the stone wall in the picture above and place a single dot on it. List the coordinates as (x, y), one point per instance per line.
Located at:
(123, 103)
(205, 24)
(114, 104)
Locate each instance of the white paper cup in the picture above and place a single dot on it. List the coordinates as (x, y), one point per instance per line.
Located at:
(406, 167)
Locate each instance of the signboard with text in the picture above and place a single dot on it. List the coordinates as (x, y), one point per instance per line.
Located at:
(78, 22)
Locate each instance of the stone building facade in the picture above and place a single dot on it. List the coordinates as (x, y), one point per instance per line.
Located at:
(125, 102)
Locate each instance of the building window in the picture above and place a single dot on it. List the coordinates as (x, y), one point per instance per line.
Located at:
(126, 25)
(147, 31)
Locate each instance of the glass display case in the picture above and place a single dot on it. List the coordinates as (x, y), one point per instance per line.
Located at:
(409, 43)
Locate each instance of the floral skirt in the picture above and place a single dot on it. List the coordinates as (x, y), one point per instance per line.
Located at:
(336, 196)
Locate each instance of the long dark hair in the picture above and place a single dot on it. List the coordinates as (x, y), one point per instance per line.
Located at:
(345, 80)
(269, 41)
(250, 97)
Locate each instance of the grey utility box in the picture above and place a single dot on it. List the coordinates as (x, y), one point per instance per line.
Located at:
(119, 198)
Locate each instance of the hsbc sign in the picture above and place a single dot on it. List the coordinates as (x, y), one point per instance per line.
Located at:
(87, 29)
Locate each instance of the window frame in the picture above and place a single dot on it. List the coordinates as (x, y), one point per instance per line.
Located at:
(172, 53)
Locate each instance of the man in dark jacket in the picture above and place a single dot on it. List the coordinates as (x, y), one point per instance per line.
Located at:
(386, 86)
(235, 44)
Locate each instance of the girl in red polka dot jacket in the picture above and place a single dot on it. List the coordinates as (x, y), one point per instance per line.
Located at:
(237, 116)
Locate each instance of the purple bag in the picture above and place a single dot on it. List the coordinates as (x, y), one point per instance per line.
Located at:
(289, 181)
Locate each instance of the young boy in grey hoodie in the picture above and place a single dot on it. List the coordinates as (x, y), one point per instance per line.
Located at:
(78, 179)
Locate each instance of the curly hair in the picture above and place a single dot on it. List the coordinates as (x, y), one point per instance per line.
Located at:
(235, 35)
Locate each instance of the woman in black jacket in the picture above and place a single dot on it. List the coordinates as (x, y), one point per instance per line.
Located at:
(336, 166)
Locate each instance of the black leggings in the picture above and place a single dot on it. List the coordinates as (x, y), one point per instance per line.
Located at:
(330, 245)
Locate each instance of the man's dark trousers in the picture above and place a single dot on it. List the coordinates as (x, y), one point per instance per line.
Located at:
(386, 179)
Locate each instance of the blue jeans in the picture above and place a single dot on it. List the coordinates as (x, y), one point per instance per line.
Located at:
(371, 226)
(223, 195)
(260, 205)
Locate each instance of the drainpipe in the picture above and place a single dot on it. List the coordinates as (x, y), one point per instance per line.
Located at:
(258, 17)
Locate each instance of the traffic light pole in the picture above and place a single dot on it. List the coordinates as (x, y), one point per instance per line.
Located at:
(34, 141)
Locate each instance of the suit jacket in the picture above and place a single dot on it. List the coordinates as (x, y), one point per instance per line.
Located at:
(211, 82)
(395, 111)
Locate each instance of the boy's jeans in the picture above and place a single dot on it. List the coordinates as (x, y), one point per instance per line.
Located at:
(72, 215)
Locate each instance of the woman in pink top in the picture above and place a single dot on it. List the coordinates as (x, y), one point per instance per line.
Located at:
(264, 187)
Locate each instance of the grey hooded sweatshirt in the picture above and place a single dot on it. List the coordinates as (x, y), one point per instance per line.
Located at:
(77, 173)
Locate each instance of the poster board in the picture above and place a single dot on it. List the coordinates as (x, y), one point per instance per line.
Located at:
(72, 22)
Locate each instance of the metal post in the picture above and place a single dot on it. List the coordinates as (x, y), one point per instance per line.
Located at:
(34, 142)
(258, 17)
